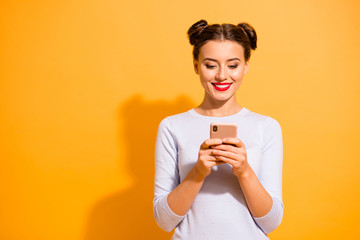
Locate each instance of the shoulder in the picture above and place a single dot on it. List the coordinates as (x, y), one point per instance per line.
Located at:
(175, 122)
(176, 119)
(261, 118)
(263, 123)
(266, 128)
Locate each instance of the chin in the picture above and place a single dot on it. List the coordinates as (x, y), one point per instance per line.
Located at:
(223, 98)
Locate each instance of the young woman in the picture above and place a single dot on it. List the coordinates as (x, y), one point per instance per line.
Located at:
(227, 188)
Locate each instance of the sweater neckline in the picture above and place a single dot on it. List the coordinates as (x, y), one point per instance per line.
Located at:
(238, 114)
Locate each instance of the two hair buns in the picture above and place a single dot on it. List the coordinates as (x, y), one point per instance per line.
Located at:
(197, 28)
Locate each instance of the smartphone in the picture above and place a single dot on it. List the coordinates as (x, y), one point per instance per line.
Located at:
(223, 130)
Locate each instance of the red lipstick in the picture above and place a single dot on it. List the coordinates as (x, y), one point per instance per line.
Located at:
(221, 86)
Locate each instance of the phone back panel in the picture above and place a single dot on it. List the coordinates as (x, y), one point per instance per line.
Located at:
(223, 130)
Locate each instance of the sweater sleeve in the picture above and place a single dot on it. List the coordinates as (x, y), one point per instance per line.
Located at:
(271, 175)
(166, 177)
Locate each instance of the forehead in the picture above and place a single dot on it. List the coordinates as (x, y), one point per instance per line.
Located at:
(221, 50)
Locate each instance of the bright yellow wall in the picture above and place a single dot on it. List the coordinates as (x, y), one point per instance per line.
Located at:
(83, 85)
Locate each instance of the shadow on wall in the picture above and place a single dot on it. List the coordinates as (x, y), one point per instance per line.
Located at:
(128, 214)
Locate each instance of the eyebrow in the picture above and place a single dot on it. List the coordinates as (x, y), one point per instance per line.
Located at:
(211, 59)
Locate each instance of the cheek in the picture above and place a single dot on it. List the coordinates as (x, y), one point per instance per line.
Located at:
(238, 74)
(205, 81)
(207, 75)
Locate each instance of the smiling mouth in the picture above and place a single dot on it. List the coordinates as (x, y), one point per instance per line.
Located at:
(221, 86)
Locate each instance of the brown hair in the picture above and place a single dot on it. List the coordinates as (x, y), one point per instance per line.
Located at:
(243, 33)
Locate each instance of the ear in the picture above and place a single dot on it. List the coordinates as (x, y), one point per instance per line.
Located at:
(246, 67)
(196, 66)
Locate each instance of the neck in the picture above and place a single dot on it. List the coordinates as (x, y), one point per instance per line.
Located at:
(215, 108)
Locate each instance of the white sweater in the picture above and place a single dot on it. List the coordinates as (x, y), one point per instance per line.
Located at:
(219, 210)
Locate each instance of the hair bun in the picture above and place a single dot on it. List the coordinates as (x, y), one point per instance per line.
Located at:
(250, 32)
(195, 30)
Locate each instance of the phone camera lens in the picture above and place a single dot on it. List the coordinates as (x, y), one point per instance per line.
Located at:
(214, 128)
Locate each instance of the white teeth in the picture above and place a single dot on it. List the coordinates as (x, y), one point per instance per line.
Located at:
(222, 86)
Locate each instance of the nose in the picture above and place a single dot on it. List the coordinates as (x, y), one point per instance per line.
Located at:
(221, 75)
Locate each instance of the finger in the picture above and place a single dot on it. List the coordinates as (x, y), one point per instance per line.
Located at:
(227, 147)
(230, 161)
(234, 141)
(226, 154)
(207, 158)
(206, 151)
(210, 142)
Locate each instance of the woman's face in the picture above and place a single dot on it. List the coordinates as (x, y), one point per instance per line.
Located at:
(221, 67)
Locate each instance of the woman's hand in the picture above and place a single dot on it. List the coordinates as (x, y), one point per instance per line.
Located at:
(233, 152)
(206, 159)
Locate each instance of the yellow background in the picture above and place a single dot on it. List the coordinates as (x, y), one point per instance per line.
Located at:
(84, 84)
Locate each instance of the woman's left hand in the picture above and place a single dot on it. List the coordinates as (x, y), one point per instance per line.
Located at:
(233, 152)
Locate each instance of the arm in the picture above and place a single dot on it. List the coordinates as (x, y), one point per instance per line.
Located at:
(257, 198)
(182, 197)
(166, 177)
(263, 194)
(270, 175)
(174, 199)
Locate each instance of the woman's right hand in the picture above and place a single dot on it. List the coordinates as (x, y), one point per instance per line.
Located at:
(206, 159)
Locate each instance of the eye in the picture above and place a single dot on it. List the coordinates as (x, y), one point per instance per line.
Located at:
(233, 66)
(210, 66)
